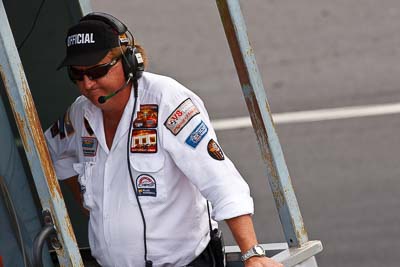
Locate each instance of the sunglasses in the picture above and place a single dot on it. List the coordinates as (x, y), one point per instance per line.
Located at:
(92, 73)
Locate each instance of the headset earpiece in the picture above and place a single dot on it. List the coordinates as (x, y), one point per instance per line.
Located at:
(132, 59)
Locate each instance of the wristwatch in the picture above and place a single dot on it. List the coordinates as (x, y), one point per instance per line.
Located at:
(256, 251)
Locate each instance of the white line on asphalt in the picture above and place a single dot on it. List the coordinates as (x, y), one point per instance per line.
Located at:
(312, 115)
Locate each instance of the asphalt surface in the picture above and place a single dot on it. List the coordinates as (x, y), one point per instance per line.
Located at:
(311, 54)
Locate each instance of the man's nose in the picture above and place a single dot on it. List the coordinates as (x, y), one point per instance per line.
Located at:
(87, 83)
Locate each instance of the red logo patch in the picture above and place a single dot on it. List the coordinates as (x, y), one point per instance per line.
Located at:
(181, 116)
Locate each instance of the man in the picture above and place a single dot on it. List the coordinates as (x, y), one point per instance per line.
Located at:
(141, 150)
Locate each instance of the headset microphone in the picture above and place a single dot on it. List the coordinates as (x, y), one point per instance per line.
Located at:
(102, 99)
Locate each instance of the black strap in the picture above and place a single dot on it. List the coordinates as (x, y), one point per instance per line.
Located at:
(209, 216)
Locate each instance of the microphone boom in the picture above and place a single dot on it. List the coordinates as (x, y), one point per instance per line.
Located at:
(102, 99)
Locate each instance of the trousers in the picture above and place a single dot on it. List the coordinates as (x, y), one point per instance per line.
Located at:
(205, 259)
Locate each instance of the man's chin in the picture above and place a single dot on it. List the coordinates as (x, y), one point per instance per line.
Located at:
(93, 98)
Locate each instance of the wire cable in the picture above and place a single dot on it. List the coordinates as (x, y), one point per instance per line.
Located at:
(135, 92)
(33, 25)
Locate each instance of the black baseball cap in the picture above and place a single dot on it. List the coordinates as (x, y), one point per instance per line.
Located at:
(88, 42)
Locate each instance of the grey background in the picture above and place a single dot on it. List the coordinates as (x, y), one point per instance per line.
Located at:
(311, 54)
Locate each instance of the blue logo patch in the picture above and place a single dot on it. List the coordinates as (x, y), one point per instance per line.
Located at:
(197, 135)
(146, 185)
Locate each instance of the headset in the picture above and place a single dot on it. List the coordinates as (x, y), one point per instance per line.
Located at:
(133, 66)
(133, 63)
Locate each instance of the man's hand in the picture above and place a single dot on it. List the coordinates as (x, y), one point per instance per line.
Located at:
(262, 262)
(243, 231)
(73, 184)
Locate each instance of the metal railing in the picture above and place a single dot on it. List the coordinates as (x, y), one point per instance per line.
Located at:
(271, 150)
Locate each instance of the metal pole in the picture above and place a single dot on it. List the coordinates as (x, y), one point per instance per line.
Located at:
(34, 143)
(85, 6)
(257, 104)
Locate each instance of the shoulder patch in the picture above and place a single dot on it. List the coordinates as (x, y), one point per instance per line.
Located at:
(69, 128)
(178, 119)
(214, 150)
(197, 135)
(63, 126)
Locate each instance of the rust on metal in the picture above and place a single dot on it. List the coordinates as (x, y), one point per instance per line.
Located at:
(261, 133)
(279, 198)
(301, 234)
(267, 107)
(232, 41)
(22, 130)
(70, 229)
(39, 140)
(46, 163)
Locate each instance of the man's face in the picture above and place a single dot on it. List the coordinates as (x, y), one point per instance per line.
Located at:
(93, 88)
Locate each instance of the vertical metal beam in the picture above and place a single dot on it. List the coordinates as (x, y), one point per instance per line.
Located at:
(85, 6)
(257, 104)
(32, 136)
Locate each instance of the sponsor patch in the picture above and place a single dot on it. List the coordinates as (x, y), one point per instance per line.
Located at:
(197, 135)
(63, 126)
(68, 124)
(89, 146)
(214, 150)
(54, 129)
(181, 116)
(89, 129)
(146, 117)
(144, 141)
(146, 186)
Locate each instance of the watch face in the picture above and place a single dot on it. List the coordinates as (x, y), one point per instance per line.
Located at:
(259, 250)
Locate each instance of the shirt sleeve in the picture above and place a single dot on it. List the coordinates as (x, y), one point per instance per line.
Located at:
(190, 139)
(61, 139)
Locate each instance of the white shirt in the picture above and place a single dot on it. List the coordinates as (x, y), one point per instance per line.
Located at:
(175, 161)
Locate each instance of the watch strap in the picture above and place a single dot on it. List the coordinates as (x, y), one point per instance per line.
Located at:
(255, 251)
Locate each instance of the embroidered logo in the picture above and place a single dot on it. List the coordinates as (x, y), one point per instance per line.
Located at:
(147, 116)
(68, 124)
(144, 141)
(80, 38)
(63, 126)
(214, 150)
(197, 135)
(146, 185)
(89, 146)
(181, 116)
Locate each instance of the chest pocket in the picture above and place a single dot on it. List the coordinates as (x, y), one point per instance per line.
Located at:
(85, 179)
(148, 173)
